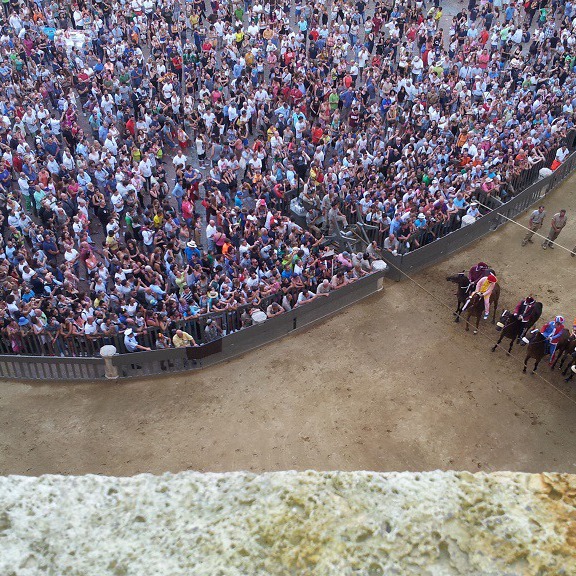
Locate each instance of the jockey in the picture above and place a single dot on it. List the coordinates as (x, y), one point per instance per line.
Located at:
(553, 332)
(479, 271)
(485, 287)
(524, 308)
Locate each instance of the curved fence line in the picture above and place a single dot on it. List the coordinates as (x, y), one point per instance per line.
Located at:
(159, 362)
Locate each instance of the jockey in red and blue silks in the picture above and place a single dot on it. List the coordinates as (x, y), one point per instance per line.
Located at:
(553, 332)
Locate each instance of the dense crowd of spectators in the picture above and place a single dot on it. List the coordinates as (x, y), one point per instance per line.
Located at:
(151, 149)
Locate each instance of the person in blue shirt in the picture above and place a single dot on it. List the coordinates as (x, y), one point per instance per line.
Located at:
(396, 225)
(102, 133)
(237, 70)
(238, 202)
(460, 201)
(29, 171)
(347, 97)
(420, 222)
(27, 294)
(509, 14)
(178, 194)
(287, 273)
(192, 252)
(6, 178)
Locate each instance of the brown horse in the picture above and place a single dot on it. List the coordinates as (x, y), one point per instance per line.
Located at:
(476, 307)
(538, 347)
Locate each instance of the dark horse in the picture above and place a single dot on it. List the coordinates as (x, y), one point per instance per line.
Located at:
(565, 352)
(538, 347)
(514, 328)
(463, 284)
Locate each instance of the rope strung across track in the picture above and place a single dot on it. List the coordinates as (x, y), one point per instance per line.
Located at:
(437, 299)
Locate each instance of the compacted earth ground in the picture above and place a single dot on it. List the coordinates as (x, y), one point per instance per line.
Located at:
(391, 383)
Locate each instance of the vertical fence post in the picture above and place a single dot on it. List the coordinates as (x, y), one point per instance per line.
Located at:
(110, 371)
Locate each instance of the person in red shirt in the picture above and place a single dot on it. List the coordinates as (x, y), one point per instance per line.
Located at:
(317, 134)
(131, 126)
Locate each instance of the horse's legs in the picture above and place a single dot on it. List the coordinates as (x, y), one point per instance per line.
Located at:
(477, 323)
(510, 347)
(525, 363)
(468, 321)
(498, 343)
(553, 364)
(571, 363)
(536, 364)
(458, 311)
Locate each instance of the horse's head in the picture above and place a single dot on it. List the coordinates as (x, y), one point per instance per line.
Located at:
(534, 337)
(505, 318)
(461, 279)
(476, 300)
(565, 337)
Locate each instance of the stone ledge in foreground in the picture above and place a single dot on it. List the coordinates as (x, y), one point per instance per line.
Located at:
(284, 523)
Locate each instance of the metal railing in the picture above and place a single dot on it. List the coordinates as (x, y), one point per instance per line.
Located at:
(451, 239)
(158, 362)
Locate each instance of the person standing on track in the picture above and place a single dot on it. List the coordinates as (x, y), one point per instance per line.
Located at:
(534, 224)
(558, 222)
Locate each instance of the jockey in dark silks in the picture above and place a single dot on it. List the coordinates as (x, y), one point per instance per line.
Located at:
(525, 308)
(479, 271)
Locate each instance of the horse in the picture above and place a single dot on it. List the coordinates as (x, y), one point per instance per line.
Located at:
(565, 352)
(464, 289)
(538, 347)
(463, 285)
(512, 327)
(476, 307)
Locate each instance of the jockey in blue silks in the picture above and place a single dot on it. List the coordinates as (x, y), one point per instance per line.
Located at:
(552, 331)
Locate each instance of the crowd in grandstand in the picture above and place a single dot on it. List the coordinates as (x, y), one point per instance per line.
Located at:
(151, 149)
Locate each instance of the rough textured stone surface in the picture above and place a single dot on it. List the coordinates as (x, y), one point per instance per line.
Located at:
(310, 523)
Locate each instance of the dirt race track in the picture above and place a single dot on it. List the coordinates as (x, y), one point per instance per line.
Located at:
(390, 384)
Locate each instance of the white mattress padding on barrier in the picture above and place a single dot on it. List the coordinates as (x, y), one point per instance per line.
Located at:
(336, 523)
